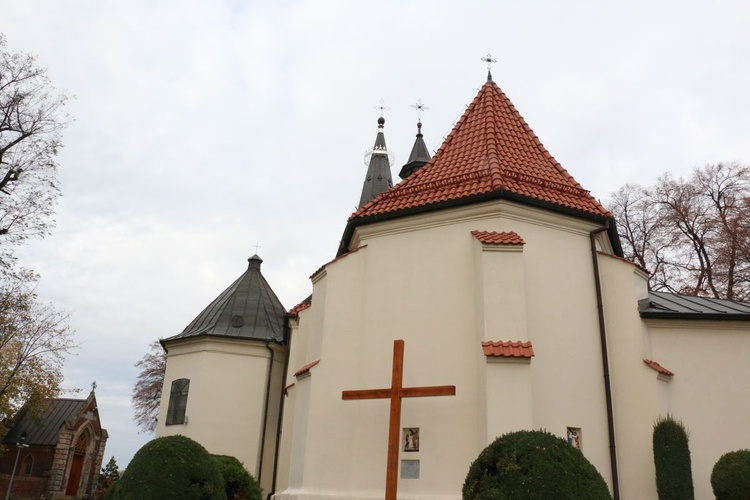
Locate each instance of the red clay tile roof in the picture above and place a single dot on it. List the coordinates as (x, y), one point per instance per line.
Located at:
(656, 366)
(305, 368)
(301, 306)
(493, 238)
(507, 349)
(490, 150)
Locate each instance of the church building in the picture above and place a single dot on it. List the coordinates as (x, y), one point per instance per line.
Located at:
(56, 454)
(505, 279)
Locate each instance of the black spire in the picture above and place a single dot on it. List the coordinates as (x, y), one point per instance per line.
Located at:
(419, 155)
(378, 177)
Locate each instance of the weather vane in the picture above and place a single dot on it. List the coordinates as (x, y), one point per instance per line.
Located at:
(419, 106)
(382, 107)
(489, 60)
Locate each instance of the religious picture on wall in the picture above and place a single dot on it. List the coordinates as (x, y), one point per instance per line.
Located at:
(411, 439)
(574, 437)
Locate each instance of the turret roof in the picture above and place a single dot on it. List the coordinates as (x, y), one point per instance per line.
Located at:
(248, 309)
(419, 155)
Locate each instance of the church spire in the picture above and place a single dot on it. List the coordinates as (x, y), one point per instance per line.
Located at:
(378, 177)
(419, 154)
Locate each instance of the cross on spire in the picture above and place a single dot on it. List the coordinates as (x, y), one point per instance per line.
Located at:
(382, 107)
(257, 246)
(489, 60)
(93, 386)
(419, 106)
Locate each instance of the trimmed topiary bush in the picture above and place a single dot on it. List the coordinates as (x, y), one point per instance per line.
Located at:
(674, 475)
(730, 478)
(239, 484)
(170, 468)
(533, 465)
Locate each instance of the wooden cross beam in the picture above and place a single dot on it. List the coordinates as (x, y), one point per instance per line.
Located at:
(395, 393)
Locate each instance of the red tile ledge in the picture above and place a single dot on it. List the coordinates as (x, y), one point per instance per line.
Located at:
(656, 366)
(305, 368)
(507, 349)
(495, 238)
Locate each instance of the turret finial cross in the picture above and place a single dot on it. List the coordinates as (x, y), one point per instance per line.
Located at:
(489, 60)
(419, 106)
(257, 246)
(382, 107)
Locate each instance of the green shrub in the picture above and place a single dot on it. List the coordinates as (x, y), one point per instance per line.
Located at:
(238, 483)
(170, 468)
(730, 478)
(674, 475)
(533, 465)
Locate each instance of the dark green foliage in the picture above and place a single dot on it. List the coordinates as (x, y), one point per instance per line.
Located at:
(730, 478)
(674, 475)
(170, 468)
(238, 483)
(533, 465)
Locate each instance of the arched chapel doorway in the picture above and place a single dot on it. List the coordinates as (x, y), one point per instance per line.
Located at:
(78, 460)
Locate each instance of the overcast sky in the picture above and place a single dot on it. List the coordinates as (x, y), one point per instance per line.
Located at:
(203, 128)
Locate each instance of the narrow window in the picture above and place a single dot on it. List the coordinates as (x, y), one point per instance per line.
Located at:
(178, 397)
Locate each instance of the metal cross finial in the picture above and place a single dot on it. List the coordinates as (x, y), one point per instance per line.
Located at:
(489, 60)
(93, 386)
(257, 246)
(419, 106)
(381, 106)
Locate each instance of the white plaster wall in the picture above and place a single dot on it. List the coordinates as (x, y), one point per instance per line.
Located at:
(635, 388)
(709, 391)
(415, 280)
(509, 386)
(226, 397)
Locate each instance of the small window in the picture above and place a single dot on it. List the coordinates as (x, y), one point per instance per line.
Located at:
(28, 465)
(178, 397)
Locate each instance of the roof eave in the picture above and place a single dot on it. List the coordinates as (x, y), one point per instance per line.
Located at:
(353, 223)
(178, 340)
(694, 316)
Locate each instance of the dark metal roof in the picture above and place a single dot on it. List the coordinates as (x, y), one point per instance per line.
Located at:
(664, 305)
(419, 155)
(378, 178)
(43, 430)
(248, 309)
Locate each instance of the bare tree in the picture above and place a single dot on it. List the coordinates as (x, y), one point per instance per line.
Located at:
(34, 340)
(31, 121)
(147, 390)
(692, 234)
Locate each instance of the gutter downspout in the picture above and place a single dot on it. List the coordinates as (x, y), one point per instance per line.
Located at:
(265, 411)
(605, 362)
(279, 422)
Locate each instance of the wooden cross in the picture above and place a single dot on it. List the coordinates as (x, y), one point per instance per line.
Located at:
(395, 393)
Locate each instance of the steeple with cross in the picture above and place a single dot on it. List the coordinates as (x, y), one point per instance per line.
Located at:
(419, 154)
(378, 177)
